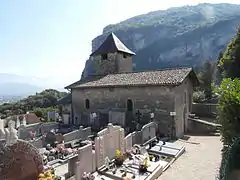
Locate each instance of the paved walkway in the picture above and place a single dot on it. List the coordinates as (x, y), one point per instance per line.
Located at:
(200, 161)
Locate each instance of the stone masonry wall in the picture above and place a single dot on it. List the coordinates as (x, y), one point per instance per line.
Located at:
(157, 99)
(183, 104)
(116, 63)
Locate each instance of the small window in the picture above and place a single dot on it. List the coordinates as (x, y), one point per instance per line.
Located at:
(87, 104)
(124, 56)
(104, 56)
(129, 105)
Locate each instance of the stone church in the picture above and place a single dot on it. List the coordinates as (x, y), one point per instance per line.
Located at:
(114, 92)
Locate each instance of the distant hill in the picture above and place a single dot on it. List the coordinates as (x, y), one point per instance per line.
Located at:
(182, 36)
(39, 103)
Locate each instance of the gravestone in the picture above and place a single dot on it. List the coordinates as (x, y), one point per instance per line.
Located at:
(85, 161)
(148, 132)
(19, 159)
(117, 118)
(108, 141)
(50, 138)
(17, 122)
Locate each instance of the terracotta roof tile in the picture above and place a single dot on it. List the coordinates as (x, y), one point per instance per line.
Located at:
(160, 77)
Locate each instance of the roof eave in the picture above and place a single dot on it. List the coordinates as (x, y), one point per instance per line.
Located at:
(129, 85)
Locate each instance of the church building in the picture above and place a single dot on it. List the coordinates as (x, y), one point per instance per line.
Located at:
(113, 92)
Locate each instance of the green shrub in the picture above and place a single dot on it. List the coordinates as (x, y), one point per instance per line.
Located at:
(198, 96)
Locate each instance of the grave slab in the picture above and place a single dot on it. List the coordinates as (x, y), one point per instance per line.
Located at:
(164, 151)
(170, 145)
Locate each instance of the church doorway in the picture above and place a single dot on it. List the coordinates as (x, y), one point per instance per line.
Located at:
(129, 105)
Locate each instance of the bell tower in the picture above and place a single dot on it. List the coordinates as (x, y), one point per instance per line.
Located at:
(112, 57)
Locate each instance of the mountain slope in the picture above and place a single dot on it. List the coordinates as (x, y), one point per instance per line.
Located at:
(183, 36)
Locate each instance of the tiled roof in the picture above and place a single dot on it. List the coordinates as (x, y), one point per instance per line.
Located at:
(112, 44)
(65, 100)
(160, 77)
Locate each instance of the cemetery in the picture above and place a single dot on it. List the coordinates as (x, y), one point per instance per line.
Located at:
(109, 154)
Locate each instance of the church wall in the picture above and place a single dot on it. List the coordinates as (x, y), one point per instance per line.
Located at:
(159, 100)
(183, 103)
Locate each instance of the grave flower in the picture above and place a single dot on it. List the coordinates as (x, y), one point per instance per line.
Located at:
(143, 166)
(119, 158)
(151, 157)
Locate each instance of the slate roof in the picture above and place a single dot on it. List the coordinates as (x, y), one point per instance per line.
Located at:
(159, 77)
(112, 44)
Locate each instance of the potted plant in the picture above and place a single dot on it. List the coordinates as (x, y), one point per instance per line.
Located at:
(119, 159)
(151, 157)
(143, 166)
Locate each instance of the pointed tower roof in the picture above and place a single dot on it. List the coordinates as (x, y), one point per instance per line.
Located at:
(112, 44)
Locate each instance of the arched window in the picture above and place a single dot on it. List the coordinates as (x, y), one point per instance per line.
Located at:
(129, 105)
(87, 104)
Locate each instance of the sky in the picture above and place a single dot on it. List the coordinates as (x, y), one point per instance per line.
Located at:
(51, 39)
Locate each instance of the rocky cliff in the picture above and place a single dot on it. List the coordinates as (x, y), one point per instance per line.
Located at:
(184, 36)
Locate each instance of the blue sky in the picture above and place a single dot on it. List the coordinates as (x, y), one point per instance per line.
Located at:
(52, 38)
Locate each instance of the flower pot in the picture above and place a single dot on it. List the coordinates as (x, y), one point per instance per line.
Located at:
(142, 169)
(118, 162)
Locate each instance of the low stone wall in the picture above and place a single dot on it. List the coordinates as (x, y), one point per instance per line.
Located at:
(204, 110)
(39, 128)
(201, 127)
(78, 134)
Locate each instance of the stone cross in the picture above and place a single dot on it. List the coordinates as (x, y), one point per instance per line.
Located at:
(139, 115)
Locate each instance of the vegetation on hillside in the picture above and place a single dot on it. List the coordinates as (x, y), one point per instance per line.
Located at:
(229, 107)
(40, 104)
(182, 18)
(230, 61)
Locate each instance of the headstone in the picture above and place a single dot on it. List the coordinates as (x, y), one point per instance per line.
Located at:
(17, 122)
(128, 142)
(50, 138)
(13, 136)
(117, 118)
(110, 139)
(24, 121)
(7, 136)
(2, 134)
(148, 132)
(84, 155)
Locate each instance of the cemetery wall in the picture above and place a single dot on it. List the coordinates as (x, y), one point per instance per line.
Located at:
(204, 110)
(77, 134)
(157, 99)
(46, 127)
(24, 130)
(39, 128)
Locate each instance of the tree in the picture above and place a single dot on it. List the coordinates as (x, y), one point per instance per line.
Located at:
(218, 74)
(206, 78)
(229, 109)
(230, 62)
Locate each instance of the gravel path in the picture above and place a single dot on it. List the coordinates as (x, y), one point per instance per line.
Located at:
(200, 161)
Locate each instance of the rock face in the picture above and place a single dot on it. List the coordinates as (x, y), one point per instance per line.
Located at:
(183, 36)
